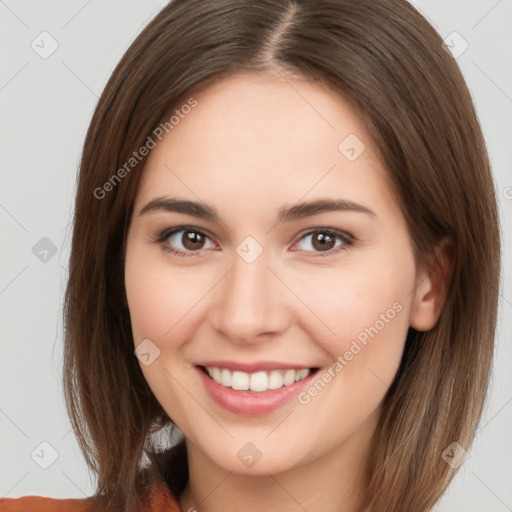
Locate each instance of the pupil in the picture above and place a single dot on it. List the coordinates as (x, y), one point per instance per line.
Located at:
(193, 240)
(321, 241)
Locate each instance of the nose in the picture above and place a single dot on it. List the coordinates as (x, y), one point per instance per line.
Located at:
(251, 303)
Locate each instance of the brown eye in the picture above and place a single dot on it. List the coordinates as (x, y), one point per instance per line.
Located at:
(189, 240)
(192, 240)
(324, 241)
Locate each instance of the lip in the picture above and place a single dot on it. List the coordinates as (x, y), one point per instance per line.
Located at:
(250, 402)
(256, 366)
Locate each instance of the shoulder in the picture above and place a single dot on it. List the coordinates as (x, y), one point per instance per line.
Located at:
(159, 499)
(44, 504)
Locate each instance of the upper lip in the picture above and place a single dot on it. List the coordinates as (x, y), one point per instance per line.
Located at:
(254, 366)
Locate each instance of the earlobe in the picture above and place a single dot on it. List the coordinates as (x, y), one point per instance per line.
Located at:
(431, 288)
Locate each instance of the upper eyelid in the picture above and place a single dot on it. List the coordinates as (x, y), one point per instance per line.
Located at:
(166, 233)
(343, 235)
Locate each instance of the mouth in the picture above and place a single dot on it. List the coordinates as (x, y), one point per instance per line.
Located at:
(259, 381)
(256, 393)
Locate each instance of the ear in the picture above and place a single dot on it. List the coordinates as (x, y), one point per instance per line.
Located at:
(432, 286)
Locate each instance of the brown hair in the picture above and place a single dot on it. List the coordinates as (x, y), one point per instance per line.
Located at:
(385, 58)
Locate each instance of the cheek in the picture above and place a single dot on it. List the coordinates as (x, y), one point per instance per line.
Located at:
(158, 301)
(360, 314)
(158, 297)
(368, 312)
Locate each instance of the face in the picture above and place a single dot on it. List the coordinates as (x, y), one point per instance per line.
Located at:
(296, 257)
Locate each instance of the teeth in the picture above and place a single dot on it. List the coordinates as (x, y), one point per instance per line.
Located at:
(259, 381)
(240, 381)
(217, 375)
(226, 378)
(289, 377)
(275, 380)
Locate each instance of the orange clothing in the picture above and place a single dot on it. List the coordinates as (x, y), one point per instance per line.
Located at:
(159, 499)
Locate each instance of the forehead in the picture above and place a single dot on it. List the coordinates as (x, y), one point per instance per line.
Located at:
(261, 137)
(270, 109)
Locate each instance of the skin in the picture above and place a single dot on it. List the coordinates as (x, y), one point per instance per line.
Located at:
(252, 145)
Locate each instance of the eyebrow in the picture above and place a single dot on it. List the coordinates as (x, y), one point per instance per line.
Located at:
(285, 214)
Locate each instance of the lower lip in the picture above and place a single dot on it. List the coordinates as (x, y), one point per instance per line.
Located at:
(252, 402)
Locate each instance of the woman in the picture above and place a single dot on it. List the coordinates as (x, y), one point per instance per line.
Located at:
(285, 248)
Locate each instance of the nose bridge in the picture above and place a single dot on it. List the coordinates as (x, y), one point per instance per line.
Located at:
(250, 300)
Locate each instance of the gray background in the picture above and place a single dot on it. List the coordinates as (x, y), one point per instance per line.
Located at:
(45, 108)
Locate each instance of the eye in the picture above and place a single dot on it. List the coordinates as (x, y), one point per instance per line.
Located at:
(184, 241)
(190, 241)
(325, 241)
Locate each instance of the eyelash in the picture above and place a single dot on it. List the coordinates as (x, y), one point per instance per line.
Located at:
(347, 239)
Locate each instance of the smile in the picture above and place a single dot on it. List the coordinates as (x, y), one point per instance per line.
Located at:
(258, 381)
(256, 393)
